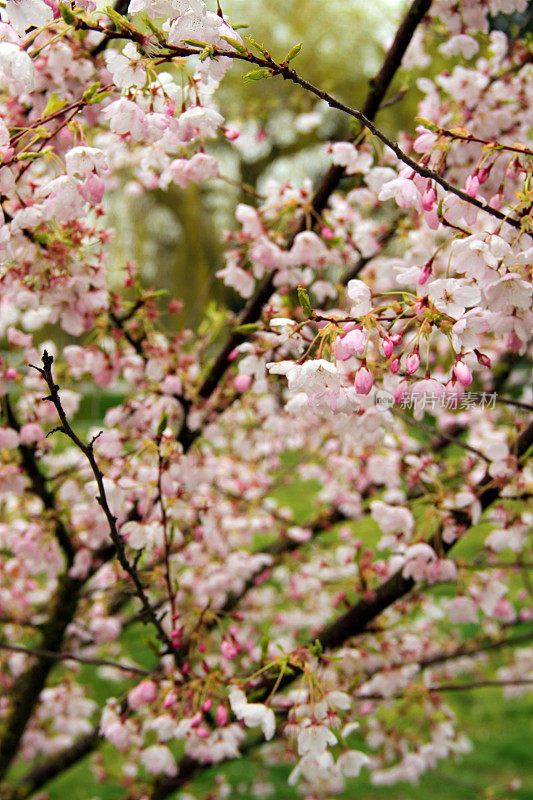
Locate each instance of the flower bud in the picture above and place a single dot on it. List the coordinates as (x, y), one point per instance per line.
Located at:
(394, 365)
(472, 185)
(388, 347)
(462, 373)
(363, 380)
(242, 383)
(412, 362)
(221, 715)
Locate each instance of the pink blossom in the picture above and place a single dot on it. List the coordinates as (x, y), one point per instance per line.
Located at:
(143, 694)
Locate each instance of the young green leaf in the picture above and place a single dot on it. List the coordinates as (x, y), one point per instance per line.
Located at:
(293, 52)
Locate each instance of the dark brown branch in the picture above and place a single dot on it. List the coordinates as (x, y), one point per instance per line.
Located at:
(38, 485)
(88, 452)
(48, 655)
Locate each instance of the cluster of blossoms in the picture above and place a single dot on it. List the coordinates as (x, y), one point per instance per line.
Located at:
(318, 624)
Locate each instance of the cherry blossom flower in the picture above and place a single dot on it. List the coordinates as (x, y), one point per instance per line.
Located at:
(126, 67)
(24, 14)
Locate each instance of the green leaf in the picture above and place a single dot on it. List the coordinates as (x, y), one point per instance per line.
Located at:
(251, 327)
(235, 44)
(163, 423)
(54, 104)
(303, 299)
(259, 47)
(91, 91)
(257, 74)
(427, 124)
(293, 52)
(195, 43)
(67, 14)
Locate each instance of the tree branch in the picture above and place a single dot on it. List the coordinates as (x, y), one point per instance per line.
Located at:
(88, 452)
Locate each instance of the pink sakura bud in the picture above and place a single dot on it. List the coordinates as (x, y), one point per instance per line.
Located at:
(234, 354)
(428, 199)
(394, 365)
(231, 134)
(483, 359)
(472, 185)
(144, 693)
(195, 721)
(495, 202)
(242, 383)
(221, 715)
(202, 732)
(228, 649)
(175, 637)
(396, 338)
(412, 362)
(462, 373)
(201, 647)
(11, 374)
(483, 174)
(326, 233)
(424, 273)
(170, 699)
(207, 705)
(388, 347)
(363, 380)
(186, 668)
(169, 108)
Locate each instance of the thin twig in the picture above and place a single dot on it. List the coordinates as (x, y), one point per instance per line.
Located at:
(88, 452)
(68, 656)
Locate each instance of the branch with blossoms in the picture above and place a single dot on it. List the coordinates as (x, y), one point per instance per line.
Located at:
(88, 451)
(192, 519)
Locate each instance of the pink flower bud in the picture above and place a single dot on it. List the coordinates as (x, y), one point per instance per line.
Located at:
(472, 185)
(234, 354)
(483, 359)
(221, 715)
(412, 362)
(428, 199)
(228, 649)
(363, 380)
(202, 732)
(495, 202)
(396, 338)
(242, 383)
(195, 721)
(11, 374)
(207, 705)
(394, 365)
(483, 174)
(170, 699)
(144, 693)
(326, 233)
(231, 134)
(462, 373)
(388, 347)
(424, 273)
